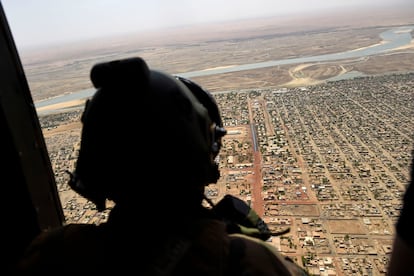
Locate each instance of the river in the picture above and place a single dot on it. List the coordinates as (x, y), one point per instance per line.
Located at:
(391, 40)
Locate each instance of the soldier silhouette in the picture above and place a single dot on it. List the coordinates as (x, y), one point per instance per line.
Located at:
(149, 143)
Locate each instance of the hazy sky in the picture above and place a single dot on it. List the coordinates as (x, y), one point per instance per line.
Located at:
(39, 22)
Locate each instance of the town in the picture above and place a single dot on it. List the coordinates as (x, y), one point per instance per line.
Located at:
(328, 162)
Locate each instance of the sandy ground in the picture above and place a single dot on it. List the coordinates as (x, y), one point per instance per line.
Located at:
(63, 105)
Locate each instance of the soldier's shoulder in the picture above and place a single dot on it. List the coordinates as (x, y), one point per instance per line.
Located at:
(258, 256)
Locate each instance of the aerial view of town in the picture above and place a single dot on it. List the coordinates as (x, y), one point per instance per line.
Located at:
(330, 162)
(320, 154)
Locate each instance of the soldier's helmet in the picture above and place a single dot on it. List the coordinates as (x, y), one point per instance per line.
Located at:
(145, 131)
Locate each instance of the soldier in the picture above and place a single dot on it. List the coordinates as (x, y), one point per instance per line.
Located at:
(149, 144)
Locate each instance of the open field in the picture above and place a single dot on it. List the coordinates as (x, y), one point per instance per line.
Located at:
(61, 70)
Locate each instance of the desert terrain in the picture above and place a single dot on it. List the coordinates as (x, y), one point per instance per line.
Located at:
(61, 70)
